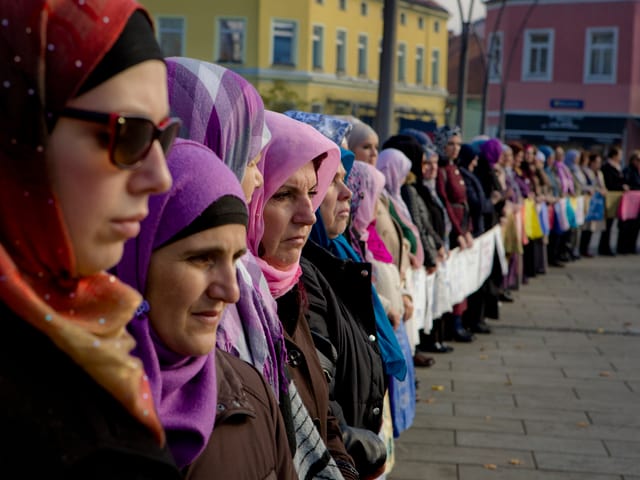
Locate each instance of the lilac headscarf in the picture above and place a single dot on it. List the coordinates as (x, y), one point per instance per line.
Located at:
(219, 109)
(228, 117)
(395, 166)
(293, 145)
(184, 388)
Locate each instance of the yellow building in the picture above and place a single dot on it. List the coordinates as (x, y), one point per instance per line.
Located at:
(317, 55)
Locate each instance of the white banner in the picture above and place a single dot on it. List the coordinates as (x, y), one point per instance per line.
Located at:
(459, 276)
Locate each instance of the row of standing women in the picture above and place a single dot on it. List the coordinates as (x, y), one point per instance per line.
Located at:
(252, 320)
(294, 380)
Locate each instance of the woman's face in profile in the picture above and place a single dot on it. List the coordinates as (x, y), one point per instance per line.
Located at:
(288, 218)
(102, 205)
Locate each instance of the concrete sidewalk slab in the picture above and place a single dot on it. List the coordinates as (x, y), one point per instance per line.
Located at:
(556, 386)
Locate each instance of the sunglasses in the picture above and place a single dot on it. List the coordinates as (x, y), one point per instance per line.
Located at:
(131, 137)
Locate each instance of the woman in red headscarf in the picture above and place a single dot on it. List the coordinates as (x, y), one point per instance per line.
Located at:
(83, 101)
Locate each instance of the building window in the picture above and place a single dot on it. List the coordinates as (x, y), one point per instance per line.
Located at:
(342, 4)
(364, 9)
(231, 37)
(601, 55)
(436, 26)
(402, 62)
(419, 65)
(435, 68)
(171, 36)
(317, 47)
(421, 23)
(403, 18)
(362, 55)
(495, 49)
(320, 2)
(341, 51)
(537, 61)
(284, 42)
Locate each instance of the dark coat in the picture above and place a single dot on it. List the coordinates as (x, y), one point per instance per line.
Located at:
(613, 178)
(248, 422)
(437, 213)
(341, 310)
(57, 422)
(307, 374)
(632, 177)
(479, 205)
(423, 220)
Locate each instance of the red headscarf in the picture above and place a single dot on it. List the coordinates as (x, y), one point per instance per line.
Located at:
(47, 50)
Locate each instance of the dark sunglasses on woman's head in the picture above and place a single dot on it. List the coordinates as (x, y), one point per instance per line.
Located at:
(131, 137)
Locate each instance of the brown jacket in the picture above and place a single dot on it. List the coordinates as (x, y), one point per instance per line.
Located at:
(307, 374)
(249, 441)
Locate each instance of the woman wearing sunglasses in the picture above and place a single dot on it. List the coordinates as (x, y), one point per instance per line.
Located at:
(83, 101)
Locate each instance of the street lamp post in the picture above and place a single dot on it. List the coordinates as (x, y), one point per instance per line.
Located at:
(384, 117)
(462, 70)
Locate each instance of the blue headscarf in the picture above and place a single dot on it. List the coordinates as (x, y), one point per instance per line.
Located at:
(390, 351)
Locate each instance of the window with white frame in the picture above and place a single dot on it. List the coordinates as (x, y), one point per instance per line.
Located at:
(362, 55)
(231, 38)
(317, 47)
(402, 62)
(495, 49)
(403, 18)
(342, 4)
(421, 23)
(436, 26)
(171, 36)
(419, 65)
(435, 68)
(601, 55)
(364, 9)
(537, 58)
(341, 51)
(284, 42)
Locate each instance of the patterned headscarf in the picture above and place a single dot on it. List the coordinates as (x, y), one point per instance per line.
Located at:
(185, 388)
(47, 51)
(366, 184)
(293, 145)
(442, 136)
(229, 118)
(333, 128)
(219, 109)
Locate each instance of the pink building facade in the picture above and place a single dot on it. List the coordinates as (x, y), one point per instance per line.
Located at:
(564, 71)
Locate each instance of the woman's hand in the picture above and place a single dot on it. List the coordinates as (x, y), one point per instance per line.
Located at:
(408, 307)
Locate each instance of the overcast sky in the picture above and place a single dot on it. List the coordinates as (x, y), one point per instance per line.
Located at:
(452, 6)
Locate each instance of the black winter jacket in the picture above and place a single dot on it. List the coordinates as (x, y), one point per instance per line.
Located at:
(57, 422)
(341, 309)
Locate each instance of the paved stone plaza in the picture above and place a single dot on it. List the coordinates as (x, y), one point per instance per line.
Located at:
(552, 394)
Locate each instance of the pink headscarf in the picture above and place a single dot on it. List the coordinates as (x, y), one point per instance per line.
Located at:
(293, 144)
(395, 166)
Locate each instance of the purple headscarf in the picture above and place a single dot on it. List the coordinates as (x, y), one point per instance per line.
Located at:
(184, 388)
(491, 149)
(225, 112)
(219, 109)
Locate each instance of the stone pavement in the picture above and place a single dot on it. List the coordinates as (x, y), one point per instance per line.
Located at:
(552, 394)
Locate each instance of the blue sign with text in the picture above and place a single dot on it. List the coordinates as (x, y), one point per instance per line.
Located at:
(566, 103)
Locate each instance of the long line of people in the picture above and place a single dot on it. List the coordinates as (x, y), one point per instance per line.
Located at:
(265, 310)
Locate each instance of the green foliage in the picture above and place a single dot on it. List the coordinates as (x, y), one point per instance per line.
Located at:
(280, 98)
